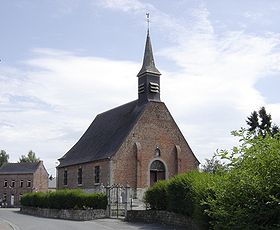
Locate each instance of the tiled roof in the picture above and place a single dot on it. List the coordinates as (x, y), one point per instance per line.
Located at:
(105, 135)
(19, 168)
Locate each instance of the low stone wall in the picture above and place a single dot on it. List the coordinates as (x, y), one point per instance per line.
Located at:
(67, 214)
(161, 217)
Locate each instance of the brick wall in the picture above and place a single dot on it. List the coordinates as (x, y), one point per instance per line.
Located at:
(155, 129)
(17, 190)
(88, 180)
(40, 179)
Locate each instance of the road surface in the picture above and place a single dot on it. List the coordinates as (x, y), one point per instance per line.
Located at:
(18, 221)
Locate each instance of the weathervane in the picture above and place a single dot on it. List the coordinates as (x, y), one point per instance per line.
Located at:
(148, 21)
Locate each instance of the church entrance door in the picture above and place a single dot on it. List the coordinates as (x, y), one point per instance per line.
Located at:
(157, 172)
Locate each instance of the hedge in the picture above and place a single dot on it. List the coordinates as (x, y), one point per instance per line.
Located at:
(184, 194)
(65, 199)
(156, 196)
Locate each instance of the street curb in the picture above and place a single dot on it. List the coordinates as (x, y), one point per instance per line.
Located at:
(9, 224)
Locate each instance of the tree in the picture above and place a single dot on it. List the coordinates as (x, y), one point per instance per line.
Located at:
(30, 157)
(248, 196)
(260, 123)
(214, 165)
(253, 121)
(4, 157)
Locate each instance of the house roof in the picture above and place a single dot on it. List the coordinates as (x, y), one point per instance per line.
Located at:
(105, 135)
(19, 168)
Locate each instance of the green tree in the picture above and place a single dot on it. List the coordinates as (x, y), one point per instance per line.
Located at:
(30, 157)
(4, 157)
(253, 121)
(260, 123)
(248, 196)
(214, 165)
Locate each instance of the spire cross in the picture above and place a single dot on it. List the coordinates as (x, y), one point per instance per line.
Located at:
(148, 20)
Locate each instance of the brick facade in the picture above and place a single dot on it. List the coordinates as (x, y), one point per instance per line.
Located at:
(13, 185)
(155, 137)
(88, 176)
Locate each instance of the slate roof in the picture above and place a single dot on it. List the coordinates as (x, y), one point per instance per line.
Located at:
(19, 168)
(105, 135)
(148, 61)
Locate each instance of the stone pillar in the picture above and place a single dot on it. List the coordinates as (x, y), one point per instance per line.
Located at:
(138, 158)
(178, 160)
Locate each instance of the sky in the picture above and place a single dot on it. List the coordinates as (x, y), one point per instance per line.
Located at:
(65, 61)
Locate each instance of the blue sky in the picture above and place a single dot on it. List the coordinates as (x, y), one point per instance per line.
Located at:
(65, 61)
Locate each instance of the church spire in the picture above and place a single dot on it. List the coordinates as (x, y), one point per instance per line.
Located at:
(148, 76)
(148, 61)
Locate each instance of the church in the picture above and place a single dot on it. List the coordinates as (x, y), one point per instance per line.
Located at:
(135, 144)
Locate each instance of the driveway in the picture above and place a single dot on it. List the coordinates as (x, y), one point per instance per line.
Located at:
(12, 219)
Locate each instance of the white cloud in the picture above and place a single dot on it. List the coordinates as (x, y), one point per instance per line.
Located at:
(58, 98)
(125, 5)
(48, 106)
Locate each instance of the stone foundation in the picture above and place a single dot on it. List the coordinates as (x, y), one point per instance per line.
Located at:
(68, 214)
(161, 217)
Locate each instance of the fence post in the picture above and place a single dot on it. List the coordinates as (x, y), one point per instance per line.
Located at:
(127, 187)
(109, 200)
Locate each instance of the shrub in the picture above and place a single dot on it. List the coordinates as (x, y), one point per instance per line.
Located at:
(248, 197)
(184, 194)
(95, 200)
(65, 199)
(156, 196)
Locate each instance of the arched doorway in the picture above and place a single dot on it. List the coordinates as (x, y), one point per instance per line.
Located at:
(157, 172)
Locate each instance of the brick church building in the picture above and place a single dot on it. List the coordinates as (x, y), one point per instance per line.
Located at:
(137, 143)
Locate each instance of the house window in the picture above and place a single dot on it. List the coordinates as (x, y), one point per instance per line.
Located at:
(97, 174)
(5, 183)
(65, 177)
(21, 183)
(13, 184)
(80, 176)
(28, 183)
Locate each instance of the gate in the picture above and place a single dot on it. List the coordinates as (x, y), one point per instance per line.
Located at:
(118, 197)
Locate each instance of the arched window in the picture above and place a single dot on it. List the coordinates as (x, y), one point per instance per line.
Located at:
(157, 172)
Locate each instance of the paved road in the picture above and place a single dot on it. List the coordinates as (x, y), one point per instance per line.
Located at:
(20, 221)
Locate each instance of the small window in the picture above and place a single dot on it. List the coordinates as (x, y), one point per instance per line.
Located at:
(5, 183)
(21, 183)
(80, 176)
(97, 174)
(29, 183)
(13, 184)
(65, 177)
(157, 152)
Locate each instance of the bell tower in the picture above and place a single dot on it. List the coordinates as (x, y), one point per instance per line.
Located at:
(148, 76)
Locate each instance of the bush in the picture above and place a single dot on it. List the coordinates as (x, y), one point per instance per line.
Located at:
(184, 194)
(95, 201)
(156, 196)
(187, 194)
(65, 199)
(248, 196)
